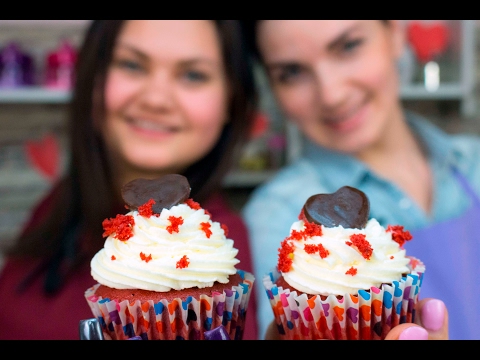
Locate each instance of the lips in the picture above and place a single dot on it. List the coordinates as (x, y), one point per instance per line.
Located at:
(346, 121)
(152, 128)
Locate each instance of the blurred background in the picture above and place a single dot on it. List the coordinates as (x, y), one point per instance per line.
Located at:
(440, 76)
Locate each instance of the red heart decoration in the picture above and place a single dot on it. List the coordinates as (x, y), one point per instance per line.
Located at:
(44, 155)
(428, 40)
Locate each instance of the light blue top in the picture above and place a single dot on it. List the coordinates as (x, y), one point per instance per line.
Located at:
(276, 204)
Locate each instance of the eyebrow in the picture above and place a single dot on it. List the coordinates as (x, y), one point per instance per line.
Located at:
(190, 61)
(339, 39)
(133, 49)
(342, 37)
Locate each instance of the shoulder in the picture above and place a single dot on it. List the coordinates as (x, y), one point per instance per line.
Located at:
(466, 145)
(463, 149)
(467, 153)
(43, 207)
(286, 191)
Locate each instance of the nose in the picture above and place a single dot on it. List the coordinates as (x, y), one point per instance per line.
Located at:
(158, 92)
(330, 85)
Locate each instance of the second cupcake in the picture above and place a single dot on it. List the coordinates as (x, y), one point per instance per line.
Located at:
(341, 275)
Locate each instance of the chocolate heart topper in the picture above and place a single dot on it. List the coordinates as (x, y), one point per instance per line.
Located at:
(166, 191)
(347, 206)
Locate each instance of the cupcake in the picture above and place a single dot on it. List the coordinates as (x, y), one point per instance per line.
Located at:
(341, 275)
(167, 271)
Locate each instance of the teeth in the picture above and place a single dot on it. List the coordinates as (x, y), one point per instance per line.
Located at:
(149, 125)
(342, 117)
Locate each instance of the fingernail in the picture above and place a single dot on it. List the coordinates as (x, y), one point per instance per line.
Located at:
(414, 333)
(432, 314)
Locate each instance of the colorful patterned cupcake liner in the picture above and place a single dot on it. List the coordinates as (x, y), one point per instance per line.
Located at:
(368, 315)
(175, 320)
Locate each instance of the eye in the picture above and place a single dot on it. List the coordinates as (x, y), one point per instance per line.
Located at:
(350, 45)
(130, 65)
(288, 73)
(195, 76)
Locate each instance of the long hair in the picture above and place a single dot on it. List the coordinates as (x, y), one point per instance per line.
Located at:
(85, 195)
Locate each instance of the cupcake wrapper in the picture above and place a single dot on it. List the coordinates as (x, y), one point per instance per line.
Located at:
(368, 315)
(175, 320)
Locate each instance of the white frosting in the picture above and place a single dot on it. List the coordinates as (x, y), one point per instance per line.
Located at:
(315, 275)
(210, 259)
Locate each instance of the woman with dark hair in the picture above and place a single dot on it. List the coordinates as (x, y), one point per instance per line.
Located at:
(151, 97)
(337, 81)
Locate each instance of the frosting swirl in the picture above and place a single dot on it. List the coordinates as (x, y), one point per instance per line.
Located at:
(179, 248)
(335, 260)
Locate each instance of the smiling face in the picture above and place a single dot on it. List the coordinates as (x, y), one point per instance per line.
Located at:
(165, 95)
(336, 79)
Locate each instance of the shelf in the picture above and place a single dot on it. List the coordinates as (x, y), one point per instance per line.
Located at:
(34, 95)
(448, 91)
(44, 23)
(42, 95)
(244, 178)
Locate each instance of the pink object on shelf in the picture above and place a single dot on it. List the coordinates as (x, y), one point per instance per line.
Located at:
(60, 67)
(277, 142)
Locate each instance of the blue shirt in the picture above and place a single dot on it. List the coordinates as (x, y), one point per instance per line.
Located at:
(276, 204)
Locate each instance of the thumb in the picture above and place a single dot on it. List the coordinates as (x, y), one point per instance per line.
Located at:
(432, 314)
(431, 322)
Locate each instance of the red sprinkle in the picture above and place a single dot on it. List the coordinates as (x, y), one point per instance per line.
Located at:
(206, 228)
(312, 249)
(225, 229)
(322, 251)
(296, 235)
(285, 256)
(414, 263)
(193, 204)
(362, 245)
(183, 262)
(146, 209)
(121, 226)
(175, 222)
(352, 271)
(399, 235)
(391, 257)
(145, 258)
(113, 257)
(301, 216)
(312, 229)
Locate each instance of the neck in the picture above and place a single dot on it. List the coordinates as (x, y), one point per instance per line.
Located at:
(400, 158)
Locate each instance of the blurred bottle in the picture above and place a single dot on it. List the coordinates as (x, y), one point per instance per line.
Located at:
(60, 67)
(277, 144)
(255, 152)
(16, 67)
